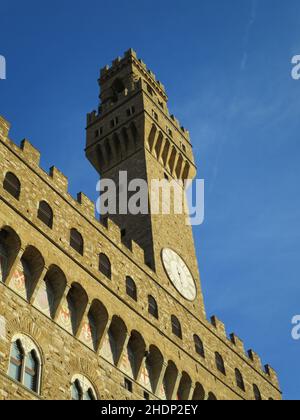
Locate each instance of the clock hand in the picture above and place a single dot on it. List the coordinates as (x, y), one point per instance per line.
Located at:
(179, 274)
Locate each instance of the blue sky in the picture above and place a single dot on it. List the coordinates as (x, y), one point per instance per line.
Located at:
(226, 66)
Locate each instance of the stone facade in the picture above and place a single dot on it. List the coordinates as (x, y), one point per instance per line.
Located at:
(79, 318)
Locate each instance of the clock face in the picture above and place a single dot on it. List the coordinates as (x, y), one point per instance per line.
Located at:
(179, 274)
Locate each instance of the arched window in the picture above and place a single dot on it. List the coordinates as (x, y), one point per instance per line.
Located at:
(82, 389)
(76, 241)
(12, 185)
(25, 363)
(45, 214)
(16, 361)
(131, 289)
(256, 392)
(152, 307)
(105, 266)
(220, 364)
(239, 380)
(199, 346)
(176, 327)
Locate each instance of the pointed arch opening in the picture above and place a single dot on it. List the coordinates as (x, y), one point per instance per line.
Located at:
(159, 145)
(73, 308)
(134, 134)
(10, 245)
(118, 147)
(212, 397)
(154, 363)
(165, 153)
(51, 291)
(95, 325)
(184, 387)
(169, 381)
(114, 343)
(77, 300)
(28, 272)
(133, 355)
(199, 393)
(151, 137)
(82, 389)
(178, 169)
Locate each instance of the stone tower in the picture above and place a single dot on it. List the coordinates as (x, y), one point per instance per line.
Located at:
(134, 133)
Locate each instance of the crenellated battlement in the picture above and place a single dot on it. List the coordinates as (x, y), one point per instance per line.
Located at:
(238, 343)
(59, 179)
(130, 58)
(179, 126)
(4, 127)
(238, 346)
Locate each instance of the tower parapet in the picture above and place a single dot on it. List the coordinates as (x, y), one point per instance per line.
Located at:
(131, 59)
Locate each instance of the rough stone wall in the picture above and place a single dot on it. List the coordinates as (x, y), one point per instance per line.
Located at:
(63, 354)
